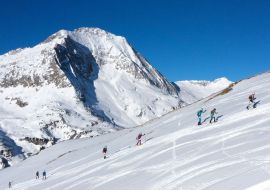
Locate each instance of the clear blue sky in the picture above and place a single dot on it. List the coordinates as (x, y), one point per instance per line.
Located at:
(184, 40)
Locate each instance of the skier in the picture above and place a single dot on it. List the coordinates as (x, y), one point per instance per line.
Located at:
(44, 175)
(251, 100)
(105, 151)
(37, 175)
(10, 184)
(199, 114)
(139, 139)
(213, 112)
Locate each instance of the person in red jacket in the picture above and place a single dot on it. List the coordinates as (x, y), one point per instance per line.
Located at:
(105, 151)
(251, 100)
(139, 139)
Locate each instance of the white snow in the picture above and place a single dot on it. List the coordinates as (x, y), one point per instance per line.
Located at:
(193, 90)
(233, 153)
(117, 91)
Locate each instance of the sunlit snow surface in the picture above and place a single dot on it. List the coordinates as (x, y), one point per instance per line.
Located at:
(77, 84)
(193, 90)
(233, 153)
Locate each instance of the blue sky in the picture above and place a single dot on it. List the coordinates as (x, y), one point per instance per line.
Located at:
(184, 40)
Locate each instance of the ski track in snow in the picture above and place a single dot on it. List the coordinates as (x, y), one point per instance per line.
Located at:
(230, 154)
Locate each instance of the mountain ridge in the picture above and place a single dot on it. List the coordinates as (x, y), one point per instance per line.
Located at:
(77, 84)
(194, 90)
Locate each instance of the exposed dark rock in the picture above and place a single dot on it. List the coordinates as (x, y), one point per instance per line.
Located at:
(3, 162)
(29, 154)
(21, 103)
(42, 148)
(6, 153)
(94, 123)
(36, 141)
(74, 133)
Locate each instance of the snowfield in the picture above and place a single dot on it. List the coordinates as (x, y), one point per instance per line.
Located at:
(233, 153)
(194, 90)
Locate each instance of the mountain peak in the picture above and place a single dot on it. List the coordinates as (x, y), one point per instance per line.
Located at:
(77, 84)
(58, 35)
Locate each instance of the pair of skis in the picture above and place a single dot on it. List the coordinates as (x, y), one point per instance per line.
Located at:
(253, 107)
(208, 123)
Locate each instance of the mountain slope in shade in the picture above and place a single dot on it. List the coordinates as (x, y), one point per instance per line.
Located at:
(73, 85)
(193, 90)
(176, 153)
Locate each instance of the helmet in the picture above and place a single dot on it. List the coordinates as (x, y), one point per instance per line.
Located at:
(106, 146)
(214, 108)
(202, 109)
(253, 93)
(140, 133)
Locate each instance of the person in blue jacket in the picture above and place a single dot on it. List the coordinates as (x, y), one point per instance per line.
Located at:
(199, 114)
(44, 175)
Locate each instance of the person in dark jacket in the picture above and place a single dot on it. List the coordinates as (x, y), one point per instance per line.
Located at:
(37, 175)
(213, 112)
(251, 100)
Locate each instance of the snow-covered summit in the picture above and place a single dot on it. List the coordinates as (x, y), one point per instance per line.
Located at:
(193, 90)
(217, 82)
(76, 84)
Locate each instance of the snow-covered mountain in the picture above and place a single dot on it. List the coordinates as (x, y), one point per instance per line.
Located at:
(73, 85)
(193, 90)
(176, 154)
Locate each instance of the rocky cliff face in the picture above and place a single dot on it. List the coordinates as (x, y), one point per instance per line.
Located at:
(77, 84)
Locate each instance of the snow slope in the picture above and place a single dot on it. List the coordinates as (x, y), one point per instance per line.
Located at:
(193, 90)
(77, 84)
(230, 154)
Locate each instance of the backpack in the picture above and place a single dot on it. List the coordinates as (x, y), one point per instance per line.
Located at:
(250, 97)
(212, 112)
(198, 113)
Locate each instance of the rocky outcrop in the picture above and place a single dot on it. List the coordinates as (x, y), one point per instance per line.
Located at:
(3, 163)
(123, 56)
(42, 148)
(6, 153)
(75, 135)
(38, 141)
(21, 103)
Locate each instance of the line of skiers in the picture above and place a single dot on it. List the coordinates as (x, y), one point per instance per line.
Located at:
(213, 112)
(199, 114)
(44, 175)
(37, 177)
(212, 115)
